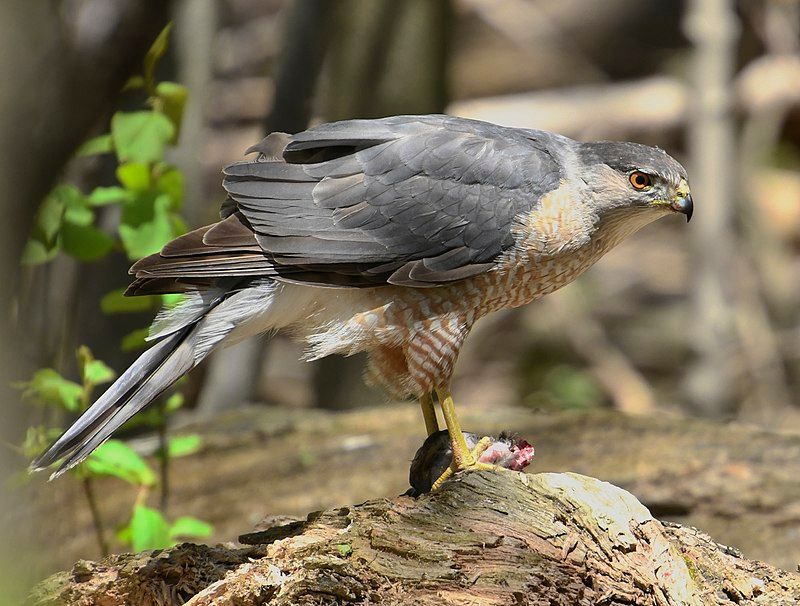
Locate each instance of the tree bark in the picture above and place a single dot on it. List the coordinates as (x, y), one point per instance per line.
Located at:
(485, 538)
(306, 36)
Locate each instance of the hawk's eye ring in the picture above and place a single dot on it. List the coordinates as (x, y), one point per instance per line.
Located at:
(640, 180)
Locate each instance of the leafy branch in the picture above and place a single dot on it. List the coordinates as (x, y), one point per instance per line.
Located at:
(147, 198)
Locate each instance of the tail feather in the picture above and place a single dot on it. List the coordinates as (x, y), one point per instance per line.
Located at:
(190, 338)
(153, 372)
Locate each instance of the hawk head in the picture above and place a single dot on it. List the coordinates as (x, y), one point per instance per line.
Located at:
(632, 177)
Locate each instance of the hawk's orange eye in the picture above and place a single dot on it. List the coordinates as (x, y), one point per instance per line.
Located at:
(640, 180)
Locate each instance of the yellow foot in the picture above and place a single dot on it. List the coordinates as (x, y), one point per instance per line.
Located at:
(471, 463)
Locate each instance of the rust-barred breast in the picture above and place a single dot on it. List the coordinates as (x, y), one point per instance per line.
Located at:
(419, 332)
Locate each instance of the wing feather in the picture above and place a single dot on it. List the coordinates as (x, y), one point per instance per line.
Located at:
(409, 200)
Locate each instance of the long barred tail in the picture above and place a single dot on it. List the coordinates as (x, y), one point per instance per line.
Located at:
(187, 335)
(153, 372)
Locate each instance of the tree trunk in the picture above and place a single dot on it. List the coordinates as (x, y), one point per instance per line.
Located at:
(485, 538)
(388, 58)
(233, 375)
(713, 27)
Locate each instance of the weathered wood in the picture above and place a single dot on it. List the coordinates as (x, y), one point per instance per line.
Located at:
(735, 482)
(485, 538)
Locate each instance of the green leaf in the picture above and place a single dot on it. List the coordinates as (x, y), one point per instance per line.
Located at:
(182, 446)
(178, 224)
(149, 237)
(156, 51)
(37, 439)
(85, 242)
(78, 215)
(173, 98)
(149, 530)
(140, 210)
(141, 136)
(101, 196)
(115, 458)
(97, 373)
(172, 299)
(124, 535)
(85, 357)
(116, 302)
(575, 389)
(135, 340)
(49, 220)
(174, 402)
(344, 549)
(51, 388)
(170, 182)
(36, 252)
(135, 176)
(96, 145)
(134, 83)
(51, 213)
(189, 527)
(76, 207)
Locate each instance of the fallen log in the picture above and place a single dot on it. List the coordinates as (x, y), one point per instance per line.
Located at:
(485, 538)
(737, 483)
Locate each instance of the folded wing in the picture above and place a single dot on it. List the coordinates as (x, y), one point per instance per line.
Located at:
(408, 200)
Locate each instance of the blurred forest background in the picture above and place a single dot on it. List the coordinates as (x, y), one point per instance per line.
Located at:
(701, 321)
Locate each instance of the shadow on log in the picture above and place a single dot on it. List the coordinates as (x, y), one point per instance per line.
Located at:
(484, 538)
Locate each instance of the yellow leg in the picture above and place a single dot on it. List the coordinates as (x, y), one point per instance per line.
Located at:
(476, 453)
(429, 414)
(462, 457)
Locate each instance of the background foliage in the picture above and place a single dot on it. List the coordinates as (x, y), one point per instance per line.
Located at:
(147, 201)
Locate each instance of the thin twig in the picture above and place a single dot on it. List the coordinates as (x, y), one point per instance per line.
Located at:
(97, 520)
(163, 455)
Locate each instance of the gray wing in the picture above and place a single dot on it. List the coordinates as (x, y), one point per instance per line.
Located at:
(409, 200)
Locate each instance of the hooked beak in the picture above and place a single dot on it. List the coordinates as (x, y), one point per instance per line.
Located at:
(684, 205)
(683, 201)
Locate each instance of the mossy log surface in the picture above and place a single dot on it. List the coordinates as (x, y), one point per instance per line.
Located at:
(484, 538)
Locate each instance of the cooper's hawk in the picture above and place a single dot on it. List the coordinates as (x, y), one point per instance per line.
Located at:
(388, 236)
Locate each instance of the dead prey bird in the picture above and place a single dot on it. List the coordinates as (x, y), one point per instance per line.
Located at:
(391, 237)
(435, 457)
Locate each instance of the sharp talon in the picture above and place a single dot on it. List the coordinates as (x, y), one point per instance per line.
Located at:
(475, 465)
(442, 479)
(448, 473)
(481, 447)
(463, 458)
